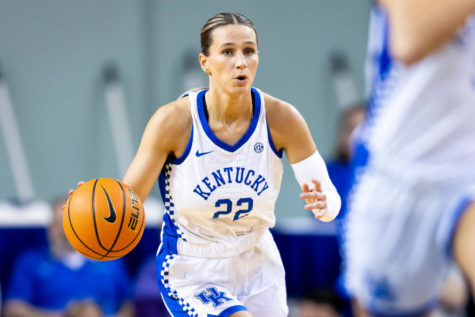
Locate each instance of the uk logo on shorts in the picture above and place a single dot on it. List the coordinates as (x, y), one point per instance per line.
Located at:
(211, 295)
(380, 288)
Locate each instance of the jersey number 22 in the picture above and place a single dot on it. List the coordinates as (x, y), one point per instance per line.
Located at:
(247, 204)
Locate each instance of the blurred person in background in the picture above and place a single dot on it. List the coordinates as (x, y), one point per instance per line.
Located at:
(412, 213)
(58, 281)
(341, 171)
(79, 309)
(340, 166)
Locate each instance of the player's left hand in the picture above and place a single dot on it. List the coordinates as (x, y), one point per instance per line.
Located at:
(315, 199)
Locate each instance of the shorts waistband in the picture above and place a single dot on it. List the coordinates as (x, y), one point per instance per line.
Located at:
(218, 249)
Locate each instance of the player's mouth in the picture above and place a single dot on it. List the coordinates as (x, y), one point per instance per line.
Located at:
(241, 79)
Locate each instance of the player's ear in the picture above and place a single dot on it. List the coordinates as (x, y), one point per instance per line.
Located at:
(204, 63)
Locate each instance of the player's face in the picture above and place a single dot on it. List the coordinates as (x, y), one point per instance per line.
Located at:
(233, 58)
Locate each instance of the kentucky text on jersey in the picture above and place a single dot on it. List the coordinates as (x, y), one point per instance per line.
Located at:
(228, 175)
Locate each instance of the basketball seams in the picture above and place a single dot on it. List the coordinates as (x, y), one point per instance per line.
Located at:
(108, 250)
(91, 245)
(94, 216)
(139, 234)
(74, 231)
(124, 199)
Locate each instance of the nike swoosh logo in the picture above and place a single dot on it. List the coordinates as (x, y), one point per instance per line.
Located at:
(198, 154)
(112, 217)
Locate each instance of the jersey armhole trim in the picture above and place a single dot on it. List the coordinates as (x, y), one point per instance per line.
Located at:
(179, 160)
(280, 152)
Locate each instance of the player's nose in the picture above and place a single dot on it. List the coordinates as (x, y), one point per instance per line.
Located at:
(240, 60)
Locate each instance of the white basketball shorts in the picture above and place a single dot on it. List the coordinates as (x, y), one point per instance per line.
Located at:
(253, 280)
(398, 239)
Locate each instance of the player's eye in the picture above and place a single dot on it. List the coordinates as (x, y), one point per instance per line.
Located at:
(249, 51)
(227, 52)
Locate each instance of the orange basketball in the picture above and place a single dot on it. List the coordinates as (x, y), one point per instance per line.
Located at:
(103, 219)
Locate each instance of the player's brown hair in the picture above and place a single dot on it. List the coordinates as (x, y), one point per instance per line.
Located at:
(221, 19)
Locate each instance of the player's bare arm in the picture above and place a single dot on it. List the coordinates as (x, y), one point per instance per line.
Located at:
(288, 130)
(419, 27)
(168, 131)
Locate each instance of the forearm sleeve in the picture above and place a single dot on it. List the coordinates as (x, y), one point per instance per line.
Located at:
(314, 167)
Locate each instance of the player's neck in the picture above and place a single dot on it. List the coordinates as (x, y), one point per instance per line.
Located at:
(229, 108)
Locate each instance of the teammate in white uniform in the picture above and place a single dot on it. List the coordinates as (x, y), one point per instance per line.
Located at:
(218, 152)
(413, 210)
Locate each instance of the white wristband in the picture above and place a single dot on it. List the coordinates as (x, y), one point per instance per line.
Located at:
(313, 167)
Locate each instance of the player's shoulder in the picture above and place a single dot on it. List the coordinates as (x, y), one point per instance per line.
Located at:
(279, 112)
(175, 115)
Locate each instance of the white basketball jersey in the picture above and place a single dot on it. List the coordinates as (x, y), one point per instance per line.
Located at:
(421, 119)
(220, 198)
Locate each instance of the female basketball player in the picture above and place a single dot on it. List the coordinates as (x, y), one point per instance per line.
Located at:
(218, 153)
(413, 210)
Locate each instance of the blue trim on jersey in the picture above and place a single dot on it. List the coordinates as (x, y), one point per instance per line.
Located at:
(456, 216)
(170, 235)
(360, 158)
(279, 153)
(162, 185)
(170, 231)
(245, 137)
(414, 313)
(385, 60)
(381, 66)
(180, 160)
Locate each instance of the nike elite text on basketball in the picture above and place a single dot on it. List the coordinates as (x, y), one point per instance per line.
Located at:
(134, 217)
